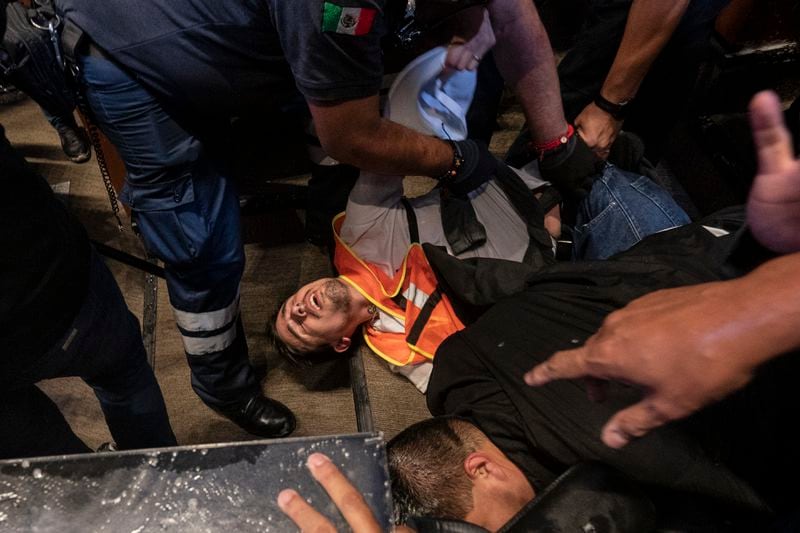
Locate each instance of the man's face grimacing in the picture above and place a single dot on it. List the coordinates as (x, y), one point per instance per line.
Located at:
(321, 314)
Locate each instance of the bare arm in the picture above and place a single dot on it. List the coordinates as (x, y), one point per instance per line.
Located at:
(687, 347)
(526, 61)
(650, 26)
(692, 346)
(353, 132)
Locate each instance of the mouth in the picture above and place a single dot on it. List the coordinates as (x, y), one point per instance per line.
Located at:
(313, 301)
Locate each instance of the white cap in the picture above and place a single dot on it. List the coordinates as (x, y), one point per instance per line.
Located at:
(425, 98)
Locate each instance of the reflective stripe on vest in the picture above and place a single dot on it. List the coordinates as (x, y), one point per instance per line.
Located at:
(414, 316)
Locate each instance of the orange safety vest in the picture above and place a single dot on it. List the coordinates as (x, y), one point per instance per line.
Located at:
(411, 296)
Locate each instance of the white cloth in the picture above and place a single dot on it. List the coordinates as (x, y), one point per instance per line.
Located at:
(430, 100)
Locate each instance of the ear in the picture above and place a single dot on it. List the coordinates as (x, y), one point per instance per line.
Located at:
(476, 465)
(483, 465)
(342, 344)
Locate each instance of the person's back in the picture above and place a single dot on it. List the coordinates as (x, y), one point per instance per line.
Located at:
(218, 57)
(227, 58)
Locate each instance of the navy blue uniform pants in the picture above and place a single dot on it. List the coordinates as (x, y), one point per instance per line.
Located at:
(187, 210)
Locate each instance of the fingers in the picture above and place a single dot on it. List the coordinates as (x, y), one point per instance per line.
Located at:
(634, 422)
(598, 129)
(772, 139)
(567, 364)
(305, 517)
(349, 501)
(460, 57)
(603, 154)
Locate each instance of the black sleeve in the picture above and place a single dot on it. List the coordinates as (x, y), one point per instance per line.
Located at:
(333, 46)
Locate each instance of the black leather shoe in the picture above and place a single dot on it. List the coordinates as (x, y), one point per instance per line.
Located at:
(74, 143)
(263, 417)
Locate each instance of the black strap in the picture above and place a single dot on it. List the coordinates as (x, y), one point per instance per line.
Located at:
(400, 301)
(423, 317)
(413, 228)
(540, 248)
(72, 37)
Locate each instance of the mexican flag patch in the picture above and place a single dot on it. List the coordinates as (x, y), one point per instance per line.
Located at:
(347, 20)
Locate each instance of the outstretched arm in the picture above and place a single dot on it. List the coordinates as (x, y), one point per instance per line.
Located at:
(691, 346)
(526, 61)
(354, 132)
(650, 26)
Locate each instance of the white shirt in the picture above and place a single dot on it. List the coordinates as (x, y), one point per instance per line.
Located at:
(376, 228)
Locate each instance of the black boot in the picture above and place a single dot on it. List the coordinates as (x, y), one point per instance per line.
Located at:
(10, 94)
(74, 142)
(262, 416)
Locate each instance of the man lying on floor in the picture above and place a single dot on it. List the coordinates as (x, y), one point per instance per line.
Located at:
(496, 445)
(735, 455)
(385, 282)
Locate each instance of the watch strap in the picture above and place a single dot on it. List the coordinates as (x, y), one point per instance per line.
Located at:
(617, 110)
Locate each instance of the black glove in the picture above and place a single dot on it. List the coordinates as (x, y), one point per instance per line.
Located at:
(477, 167)
(461, 226)
(571, 168)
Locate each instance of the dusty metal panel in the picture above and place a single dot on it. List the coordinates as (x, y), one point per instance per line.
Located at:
(219, 487)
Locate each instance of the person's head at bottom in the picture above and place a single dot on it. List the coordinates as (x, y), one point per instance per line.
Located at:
(446, 467)
(319, 320)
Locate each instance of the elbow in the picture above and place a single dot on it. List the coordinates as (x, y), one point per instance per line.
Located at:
(345, 148)
(339, 149)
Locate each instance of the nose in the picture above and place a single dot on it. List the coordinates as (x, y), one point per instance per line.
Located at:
(298, 310)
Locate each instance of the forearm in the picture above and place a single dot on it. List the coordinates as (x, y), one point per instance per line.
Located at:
(766, 321)
(526, 61)
(650, 26)
(390, 148)
(354, 133)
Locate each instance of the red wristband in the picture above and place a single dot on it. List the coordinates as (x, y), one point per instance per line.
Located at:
(541, 148)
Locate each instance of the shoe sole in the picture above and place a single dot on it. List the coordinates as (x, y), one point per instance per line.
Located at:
(81, 158)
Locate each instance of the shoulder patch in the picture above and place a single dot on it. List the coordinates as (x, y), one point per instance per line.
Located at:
(347, 20)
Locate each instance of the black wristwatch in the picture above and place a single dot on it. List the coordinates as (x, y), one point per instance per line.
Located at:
(619, 111)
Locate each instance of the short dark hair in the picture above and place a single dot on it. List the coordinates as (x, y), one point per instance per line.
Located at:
(294, 356)
(426, 466)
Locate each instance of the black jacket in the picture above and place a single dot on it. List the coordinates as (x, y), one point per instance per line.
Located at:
(729, 454)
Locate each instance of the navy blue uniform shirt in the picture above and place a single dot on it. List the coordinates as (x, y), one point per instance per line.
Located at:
(228, 56)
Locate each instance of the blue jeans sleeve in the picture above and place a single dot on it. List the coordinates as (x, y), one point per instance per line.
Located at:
(621, 209)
